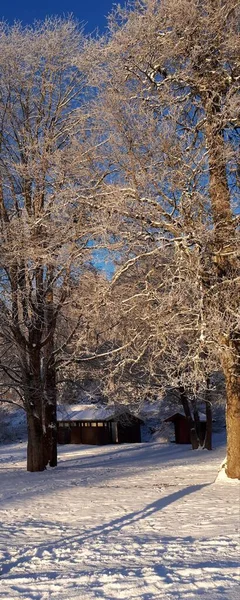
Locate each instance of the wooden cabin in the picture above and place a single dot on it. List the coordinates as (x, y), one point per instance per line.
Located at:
(93, 426)
(182, 428)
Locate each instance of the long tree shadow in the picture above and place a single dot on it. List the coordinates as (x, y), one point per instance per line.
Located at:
(149, 510)
(114, 526)
(90, 469)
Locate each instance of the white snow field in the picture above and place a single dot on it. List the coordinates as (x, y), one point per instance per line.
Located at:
(131, 522)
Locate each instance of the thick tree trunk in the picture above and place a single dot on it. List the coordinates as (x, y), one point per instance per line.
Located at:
(187, 412)
(231, 366)
(50, 404)
(35, 447)
(34, 403)
(226, 268)
(233, 431)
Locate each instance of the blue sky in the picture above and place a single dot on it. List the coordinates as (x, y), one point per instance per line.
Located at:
(91, 12)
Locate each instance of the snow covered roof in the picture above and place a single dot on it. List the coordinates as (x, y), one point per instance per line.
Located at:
(177, 414)
(90, 412)
(80, 412)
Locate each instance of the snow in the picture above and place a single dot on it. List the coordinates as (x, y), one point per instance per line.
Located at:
(222, 476)
(89, 412)
(80, 412)
(131, 522)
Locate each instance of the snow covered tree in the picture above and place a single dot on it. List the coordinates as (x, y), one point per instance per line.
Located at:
(45, 210)
(170, 75)
(148, 334)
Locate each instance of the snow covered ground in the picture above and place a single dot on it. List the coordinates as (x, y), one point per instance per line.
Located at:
(131, 522)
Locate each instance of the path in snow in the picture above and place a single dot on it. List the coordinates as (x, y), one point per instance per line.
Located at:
(131, 522)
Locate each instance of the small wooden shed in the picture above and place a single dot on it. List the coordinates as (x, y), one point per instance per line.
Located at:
(90, 425)
(182, 428)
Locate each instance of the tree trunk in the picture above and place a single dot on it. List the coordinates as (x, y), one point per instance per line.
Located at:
(197, 424)
(34, 404)
(35, 447)
(50, 405)
(233, 432)
(187, 412)
(231, 367)
(226, 268)
(208, 434)
(50, 417)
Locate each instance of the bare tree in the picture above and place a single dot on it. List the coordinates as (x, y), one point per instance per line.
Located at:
(148, 334)
(47, 221)
(170, 104)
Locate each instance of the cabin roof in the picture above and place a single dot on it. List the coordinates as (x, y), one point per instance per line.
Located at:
(179, 415)
(91, 412)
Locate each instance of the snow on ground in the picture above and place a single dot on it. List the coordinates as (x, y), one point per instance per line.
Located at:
(131, 522)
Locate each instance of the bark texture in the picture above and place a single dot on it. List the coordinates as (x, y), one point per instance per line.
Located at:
(36, 444)
(231, 366)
